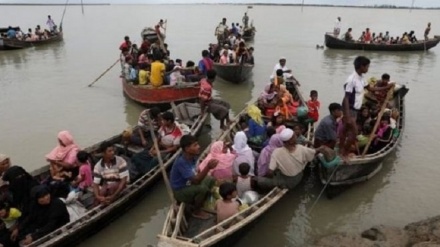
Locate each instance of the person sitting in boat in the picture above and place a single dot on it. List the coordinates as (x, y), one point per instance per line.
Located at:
(244, 181)
(267, 99)
(63, 157)
(206, 63)
(277, 122)
(157, 72)
(47, 214)
(379, 39)
(326, 132)
(386, 37)
(187, 185)
(256, 126)
(367, 36)
(250, 56)
(264, 158)
(228, 205)
(218, 108)
(223, 152)
(84, 180)
(412, 37)
(313, 105)
(214, 52)
(110, 175)
(381, 87)
(221, 31)
(127, 68)
(397, 40)
(287, 105)
(239, 40)
(405, 39)
(383, 135)
(9, 217)
(144, 74)
(348, 36)
(363, 119)
(224, 59)
(241, 53)
(362, 37)
(176, 76)
(11, 33)
(231, 39)
(390, 41)
(287, 163)
(300, 138)
(147, 115)
(244, 153)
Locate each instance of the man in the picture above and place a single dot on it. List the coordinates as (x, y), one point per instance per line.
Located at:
(287, 72)
(347, 36)
(287, 163)
(355, 85)
(231, 39)
(218, 108)
(237, 26)
(110, 175)
(50, 23)
(386, 38)
(221, 31)
(245, 20)
(427, 30)
(205, 63)
(337, 28)
(126, 44)
(11, 33)
(326, 133)
(157, 72)
(148, 115)
(250, 56)
(189, 186)
(239, 40)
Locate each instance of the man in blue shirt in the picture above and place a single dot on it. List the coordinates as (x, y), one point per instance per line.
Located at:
(11, 33)
(189, 186)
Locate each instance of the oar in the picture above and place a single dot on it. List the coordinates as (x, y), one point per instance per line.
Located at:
(107, 70)
(379, 116)
(159, 157)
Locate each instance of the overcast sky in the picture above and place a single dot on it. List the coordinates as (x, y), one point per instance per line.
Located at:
(418, 3)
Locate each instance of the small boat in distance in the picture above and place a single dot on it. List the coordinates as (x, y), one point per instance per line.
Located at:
(333, 42)
(14, 44)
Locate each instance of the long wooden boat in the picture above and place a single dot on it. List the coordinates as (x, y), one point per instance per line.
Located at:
(162, 97)
(235, 73)
(182, 230)
(360, 168)
(14, 44)
(100, 216)
(335, 43)
(249, 33)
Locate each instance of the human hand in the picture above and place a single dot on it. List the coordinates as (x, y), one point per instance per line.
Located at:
(14, 234)
(27, 240)
(144, 142)
(212, 164)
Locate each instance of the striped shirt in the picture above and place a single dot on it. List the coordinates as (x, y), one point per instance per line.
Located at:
(111, 172)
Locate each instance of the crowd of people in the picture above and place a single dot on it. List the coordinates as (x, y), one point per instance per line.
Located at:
(37, 34)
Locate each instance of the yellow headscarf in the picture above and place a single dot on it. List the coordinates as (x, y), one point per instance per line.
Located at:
(255, 113)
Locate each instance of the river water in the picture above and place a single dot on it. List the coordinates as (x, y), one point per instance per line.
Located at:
(46, 88)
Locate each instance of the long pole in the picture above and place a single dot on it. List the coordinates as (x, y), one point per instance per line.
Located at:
(62, 17)
(302, 6)
(105, 72)
(82, 7)
(412, 6)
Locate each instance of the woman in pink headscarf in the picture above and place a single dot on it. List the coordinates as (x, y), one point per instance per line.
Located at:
(264, 158)
(64, 155)
(222, 152)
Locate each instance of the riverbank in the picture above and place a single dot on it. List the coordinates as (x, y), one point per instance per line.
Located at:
(425, 233)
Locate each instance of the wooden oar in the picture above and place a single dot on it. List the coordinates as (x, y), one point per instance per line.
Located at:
(107, 70)
(379, 116)
(159, 157)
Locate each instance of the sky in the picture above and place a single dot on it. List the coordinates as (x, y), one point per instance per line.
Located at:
(418, 3)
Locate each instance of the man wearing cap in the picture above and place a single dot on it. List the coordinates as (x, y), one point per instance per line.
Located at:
(287, 163)
(287, 72)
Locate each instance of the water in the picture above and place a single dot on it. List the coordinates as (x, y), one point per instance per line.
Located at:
(44, 90)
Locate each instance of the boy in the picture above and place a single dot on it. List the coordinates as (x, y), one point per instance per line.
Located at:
(313, 104)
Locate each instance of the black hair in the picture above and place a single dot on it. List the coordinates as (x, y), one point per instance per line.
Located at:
(211, 74)
(82, 156)
(178, 60)
(280, 72)
(126, 38)
(313, 92)
(334, 106)
(361, 61)
(104, 146)
(385, 118)
(349, 29)
(154, 112)
(297, 125)
(186, 141)
(244, 169)
(5, 205)
(385, 76)
(168, 116)
(190, 63)
(270, 131)
(205, 53)
(226, 189)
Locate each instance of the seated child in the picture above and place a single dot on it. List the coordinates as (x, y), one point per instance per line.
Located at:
(313, 104)
(243, 181)
(227, 206)
(300, 138)
(84, 179)
(9, 217)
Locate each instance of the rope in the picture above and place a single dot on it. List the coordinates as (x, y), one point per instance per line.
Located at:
(323, 189)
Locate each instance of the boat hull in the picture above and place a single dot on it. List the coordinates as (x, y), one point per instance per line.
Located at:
(14, 44)
(235, 73)
(333, 42)
(162, 96)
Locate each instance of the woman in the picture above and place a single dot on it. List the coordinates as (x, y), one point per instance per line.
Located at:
(383, 135)
(20, 185)
(267, 98)
(277, 122)
(287, 106)
(244, 153)
(363, 119)
(62, 158)
(222, 152)
(264, 159)
(256, 128)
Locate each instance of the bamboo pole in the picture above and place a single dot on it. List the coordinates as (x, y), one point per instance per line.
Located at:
(159, 157)
(105, 72)
(379, 116)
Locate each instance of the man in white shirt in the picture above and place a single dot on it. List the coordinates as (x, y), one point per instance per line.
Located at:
(231, 38)
(239, 40)
(221, 31)
(287, 72)
(337, 28)
(238, 28)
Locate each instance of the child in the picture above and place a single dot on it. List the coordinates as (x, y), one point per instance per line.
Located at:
(300, 138)
(244, 179)
(9, 217)
(313, 104)
(143, 74)
(84, 178)
(227, 206)
(277, 122)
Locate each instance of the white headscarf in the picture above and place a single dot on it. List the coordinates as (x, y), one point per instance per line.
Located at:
(3, 157)
(240, 142)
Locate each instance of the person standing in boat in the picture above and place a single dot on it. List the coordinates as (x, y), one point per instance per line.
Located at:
(367, 36)
(245, 20)
(221, 31)
(347, 36)
(337, 28)
(50, 23)
(287, 73)
(206, 63)
(427, 30)
(187, 185)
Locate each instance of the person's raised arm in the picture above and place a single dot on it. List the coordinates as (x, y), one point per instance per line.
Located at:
(197, 179)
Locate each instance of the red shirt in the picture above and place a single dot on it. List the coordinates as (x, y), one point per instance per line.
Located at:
(313, 109)
(205, 90)
(367, 36)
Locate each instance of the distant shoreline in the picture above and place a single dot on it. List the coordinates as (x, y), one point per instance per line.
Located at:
(244, 4)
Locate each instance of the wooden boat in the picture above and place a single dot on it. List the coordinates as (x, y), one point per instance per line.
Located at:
(361, 168)
(98, 217)
(335, 43)
(235, 73)
(3, 31)
(14, 44)
(249, 33)
(162, 97)
(182, 230)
